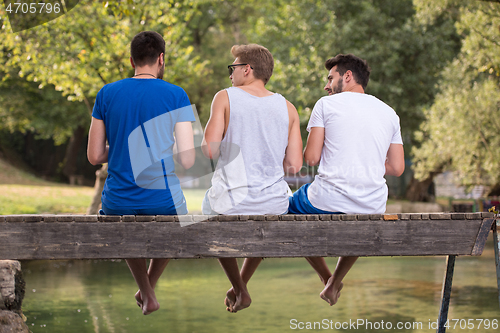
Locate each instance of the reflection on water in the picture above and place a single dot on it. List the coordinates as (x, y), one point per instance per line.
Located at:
(98, 296)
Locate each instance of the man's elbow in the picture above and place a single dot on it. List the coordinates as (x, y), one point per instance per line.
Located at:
(186, 158)
(93, 158)
(187, 163)
(292, 168)
(312, 160)
(399, 171)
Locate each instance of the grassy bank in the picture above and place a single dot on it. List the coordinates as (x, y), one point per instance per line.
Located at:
(23, 193)
(62, 199)
(44, 199)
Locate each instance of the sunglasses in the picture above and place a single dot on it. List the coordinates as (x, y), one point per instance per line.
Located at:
(232, 67)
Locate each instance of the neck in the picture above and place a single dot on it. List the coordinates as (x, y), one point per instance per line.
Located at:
(256, 88)
(355, 88)
(145, 72)
(144, 75)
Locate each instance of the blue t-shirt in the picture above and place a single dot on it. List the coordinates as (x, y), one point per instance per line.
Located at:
(140, 116)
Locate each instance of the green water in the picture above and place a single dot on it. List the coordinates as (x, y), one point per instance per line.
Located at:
(97, 296)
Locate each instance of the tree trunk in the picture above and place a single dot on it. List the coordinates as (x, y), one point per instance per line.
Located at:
(99, 185)
(422, 190)
(70, 160)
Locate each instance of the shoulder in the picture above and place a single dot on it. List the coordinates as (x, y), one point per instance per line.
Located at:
(172, 88)
(221, 95)
(115, 85)
(290, 106)
(220, 101)
(382, 105)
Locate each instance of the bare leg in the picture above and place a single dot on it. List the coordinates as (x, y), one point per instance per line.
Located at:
(331, 292)
(140, 274)
(319, 265)
(247, 270)
(156, 268)
(242, 298)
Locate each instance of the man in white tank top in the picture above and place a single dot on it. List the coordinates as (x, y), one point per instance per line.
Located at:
(255, 134)
(356, 140)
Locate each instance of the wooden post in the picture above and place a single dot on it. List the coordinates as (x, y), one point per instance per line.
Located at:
(445, 301)
(496, 245)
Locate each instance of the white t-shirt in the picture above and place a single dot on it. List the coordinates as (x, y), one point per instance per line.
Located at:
(359, 129)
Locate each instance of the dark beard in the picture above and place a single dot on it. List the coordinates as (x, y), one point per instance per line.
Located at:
(339, 87)
(161, 71)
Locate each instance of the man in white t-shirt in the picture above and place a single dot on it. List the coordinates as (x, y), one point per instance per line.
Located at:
(356, 140)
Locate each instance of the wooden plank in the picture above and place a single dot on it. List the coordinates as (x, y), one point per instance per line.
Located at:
(128, 218)
(145, 218)
(482, 236)
(49, 218)
(362, 217)
(32, 218)
(440, 216)
(14, 218)
(237, 239)
(167, 218)
(85, 218)
(65, 218)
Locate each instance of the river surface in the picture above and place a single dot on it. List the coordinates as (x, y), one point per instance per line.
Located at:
(381, 294)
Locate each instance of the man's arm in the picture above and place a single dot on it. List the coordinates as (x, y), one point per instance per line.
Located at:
(216, 125)
(97, 150)
(314, 146)
(395, 161)
(292, 163)
(184, 144)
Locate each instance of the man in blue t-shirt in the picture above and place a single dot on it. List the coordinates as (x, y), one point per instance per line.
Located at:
(138, 117)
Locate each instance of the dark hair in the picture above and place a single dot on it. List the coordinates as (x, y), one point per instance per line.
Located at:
(256, 56)
(146, 47)
(358, 67)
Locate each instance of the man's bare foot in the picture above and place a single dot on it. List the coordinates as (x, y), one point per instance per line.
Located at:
(230, 299)
(243, 301)
(149, 305)
(331, 293)
(138, 298)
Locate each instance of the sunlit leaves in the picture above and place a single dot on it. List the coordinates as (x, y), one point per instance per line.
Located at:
(461, 128)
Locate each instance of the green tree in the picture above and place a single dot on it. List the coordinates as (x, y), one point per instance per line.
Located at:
(405, 54)
(84, 49)
(460, 132)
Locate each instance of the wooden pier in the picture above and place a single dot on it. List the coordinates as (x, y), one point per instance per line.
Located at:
(36, 237)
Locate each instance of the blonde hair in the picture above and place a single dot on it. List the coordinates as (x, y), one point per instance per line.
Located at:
(258, 57)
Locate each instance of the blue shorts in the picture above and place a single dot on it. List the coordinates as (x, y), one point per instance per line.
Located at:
(299, 203)
(144, 211)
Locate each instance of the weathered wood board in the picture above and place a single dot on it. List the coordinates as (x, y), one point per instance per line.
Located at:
(114, 237)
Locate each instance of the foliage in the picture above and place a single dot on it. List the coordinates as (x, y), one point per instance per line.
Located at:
(405, 54)
(88, 47)
(26, 107)
(461, 129)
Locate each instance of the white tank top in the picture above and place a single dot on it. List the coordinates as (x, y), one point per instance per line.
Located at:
(249, 177)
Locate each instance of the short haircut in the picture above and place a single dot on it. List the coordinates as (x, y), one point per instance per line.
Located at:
(258, 57)
(358, 67)
(146, 47)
